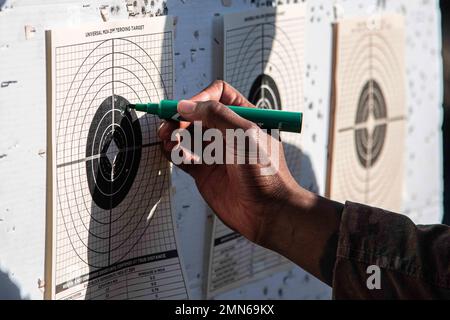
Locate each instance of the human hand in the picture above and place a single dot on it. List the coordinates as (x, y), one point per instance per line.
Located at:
(271, 210)
(244, 199)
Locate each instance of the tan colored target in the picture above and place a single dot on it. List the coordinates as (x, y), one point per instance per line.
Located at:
(367, 123)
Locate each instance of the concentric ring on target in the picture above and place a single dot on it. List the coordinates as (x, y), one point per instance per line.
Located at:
(113, 152)
(264, 93)
(369, 139)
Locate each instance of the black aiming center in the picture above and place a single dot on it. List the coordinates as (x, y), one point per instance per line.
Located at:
(264, 93)
(369, 141)
(115, 135)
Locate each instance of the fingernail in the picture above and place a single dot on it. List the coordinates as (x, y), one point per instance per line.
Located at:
(163, 123)
(186, 106)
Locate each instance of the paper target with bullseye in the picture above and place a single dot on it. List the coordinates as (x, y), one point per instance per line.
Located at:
(263, 59)
(111, 186)
(367, 137)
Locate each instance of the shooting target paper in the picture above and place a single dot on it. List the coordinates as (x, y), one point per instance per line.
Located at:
(263, 59)
(110, 227)
(367, 130)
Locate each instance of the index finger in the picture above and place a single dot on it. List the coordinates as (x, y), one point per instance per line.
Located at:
(224, 93)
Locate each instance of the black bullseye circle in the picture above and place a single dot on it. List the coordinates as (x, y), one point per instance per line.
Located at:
(113, 152)
(371, 124)
(264, 93)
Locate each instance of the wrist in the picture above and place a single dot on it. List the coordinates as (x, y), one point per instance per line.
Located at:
(280, 228)
(305, 230)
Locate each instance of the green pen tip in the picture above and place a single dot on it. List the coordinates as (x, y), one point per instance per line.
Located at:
(144, 107)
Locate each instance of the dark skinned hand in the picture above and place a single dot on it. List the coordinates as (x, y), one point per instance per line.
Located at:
(271, 210)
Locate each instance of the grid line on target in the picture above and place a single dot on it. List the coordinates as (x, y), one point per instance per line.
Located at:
(367, 134)
(111, 185)
(267, 50)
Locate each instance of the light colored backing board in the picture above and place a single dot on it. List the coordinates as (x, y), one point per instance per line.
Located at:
(23, 155)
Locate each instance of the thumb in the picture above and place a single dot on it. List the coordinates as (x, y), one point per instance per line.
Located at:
(212, 114)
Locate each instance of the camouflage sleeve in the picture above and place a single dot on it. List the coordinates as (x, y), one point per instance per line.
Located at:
(384, 255)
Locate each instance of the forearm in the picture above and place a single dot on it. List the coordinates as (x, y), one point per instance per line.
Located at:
(324, 236)
(413, 260)
(306, 232)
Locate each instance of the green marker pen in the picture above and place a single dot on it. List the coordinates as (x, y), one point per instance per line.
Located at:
(266, 118)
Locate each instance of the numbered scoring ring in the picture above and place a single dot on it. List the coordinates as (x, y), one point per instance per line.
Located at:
(113, 152)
